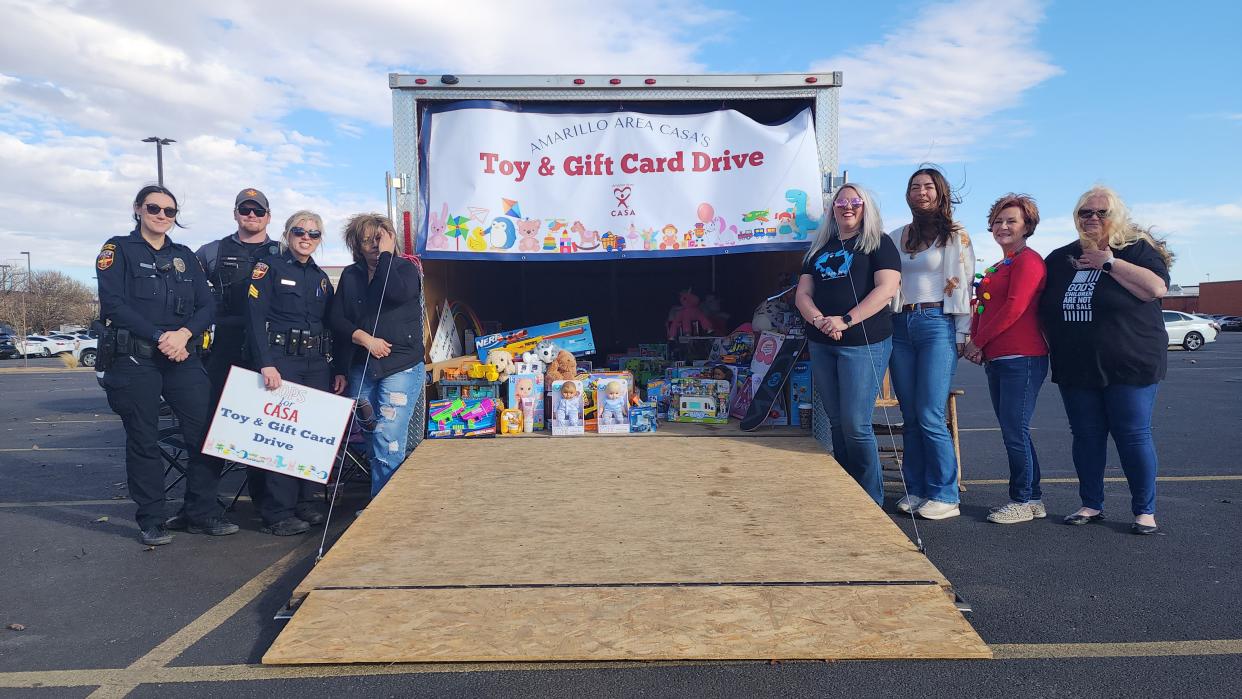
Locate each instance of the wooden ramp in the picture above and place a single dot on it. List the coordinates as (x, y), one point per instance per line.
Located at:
(661, 547)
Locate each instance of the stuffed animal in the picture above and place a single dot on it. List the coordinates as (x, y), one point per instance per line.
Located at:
(682, 319)
(503, 361)
(563, 367)
(529, 364)
(546, 352)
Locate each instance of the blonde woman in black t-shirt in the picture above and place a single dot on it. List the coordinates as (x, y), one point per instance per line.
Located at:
(849, 275)
(1101, 312)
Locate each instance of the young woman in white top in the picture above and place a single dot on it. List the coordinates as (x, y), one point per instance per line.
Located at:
(930, 325)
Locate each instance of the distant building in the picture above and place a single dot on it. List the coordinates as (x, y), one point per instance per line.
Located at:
(1224, 298)
(1182, 298)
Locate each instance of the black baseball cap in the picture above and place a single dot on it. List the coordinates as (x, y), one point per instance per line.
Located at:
(251, 194)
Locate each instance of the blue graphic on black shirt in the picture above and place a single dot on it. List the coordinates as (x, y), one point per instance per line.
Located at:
(834, 265)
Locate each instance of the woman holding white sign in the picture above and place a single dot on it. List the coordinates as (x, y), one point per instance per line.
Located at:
(378, 319)
(286, 330)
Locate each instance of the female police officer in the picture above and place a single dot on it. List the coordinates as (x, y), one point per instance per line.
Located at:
(287, 302)
(153, 297)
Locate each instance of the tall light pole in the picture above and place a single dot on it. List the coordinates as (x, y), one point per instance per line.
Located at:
(25, 326)
(159, 153)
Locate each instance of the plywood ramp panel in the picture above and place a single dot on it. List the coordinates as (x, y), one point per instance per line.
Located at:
(731, 623)
(619, 510)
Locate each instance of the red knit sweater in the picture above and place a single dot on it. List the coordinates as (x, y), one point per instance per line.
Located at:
(1009, 323)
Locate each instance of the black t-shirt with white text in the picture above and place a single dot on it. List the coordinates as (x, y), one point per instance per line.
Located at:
(844, 277)
(1099, 333)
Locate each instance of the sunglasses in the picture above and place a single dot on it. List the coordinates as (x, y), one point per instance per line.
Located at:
(298, 232)
(155, 209)
(1088, 214)
(848, 203)
(256, 210)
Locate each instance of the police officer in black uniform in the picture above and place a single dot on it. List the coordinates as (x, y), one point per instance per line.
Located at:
(154, 300)
(287, 303)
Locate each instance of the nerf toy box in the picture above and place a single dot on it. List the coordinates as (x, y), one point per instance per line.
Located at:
(573, 335)
(461, 417)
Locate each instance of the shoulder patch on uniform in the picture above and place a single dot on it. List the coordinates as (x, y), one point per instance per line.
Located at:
(260, 271)
(254, 292)
(109, 246)
(105, 259)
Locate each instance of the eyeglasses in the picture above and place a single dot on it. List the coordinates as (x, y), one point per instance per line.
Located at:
(256, 210)
(155, 209)
(848, 203)
(1088, 214)
(298, 232)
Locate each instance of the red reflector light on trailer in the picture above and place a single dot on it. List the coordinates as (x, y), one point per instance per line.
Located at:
(650, 81)
(420, 81)
(579, 81)
(812, 79)
(615, 81)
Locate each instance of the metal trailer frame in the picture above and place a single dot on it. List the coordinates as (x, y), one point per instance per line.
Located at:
(408, 90)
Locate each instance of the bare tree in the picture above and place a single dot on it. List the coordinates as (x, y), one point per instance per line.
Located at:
(54, 299)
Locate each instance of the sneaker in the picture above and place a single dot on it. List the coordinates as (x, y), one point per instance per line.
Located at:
(155, 535)
(307, 513)
(910, 502)
(177, 522)
(216, 526)
(288, 526)
(934, 509)
(1038, 511)
(1012, 513)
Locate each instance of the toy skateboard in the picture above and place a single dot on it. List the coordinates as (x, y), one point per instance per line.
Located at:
(773, 383)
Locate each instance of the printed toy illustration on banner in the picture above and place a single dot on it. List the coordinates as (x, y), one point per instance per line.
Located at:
(612, 401)
(567, 408)
(503, 234)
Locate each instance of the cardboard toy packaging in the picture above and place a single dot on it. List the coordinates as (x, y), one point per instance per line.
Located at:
(573, 335)
(778, 416)
(567, 408)
(643, 418)
(766, 349)
(461, 417)
(736, 348)
(657, 395)
(699, 400)
(589, 383)
(799, 390)
(612, 405)
(526, 395)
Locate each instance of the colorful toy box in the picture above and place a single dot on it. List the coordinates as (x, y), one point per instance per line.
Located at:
(526, 395)
(657, 395)
(799, 390)
(590, 382)
(568, 416)
(460, 417)
(766, 348)
(643, 418)
(612, 405)
(468, 388)
(573, 335)
(699, 400)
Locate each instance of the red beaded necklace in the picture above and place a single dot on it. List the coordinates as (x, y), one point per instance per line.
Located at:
(982, 281)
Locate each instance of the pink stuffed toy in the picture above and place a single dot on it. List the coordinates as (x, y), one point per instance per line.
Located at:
(682, 319)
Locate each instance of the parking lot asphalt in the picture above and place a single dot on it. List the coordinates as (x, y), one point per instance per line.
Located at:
(1069, 611)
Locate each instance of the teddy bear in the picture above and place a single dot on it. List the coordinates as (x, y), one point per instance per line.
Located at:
(562, 367)
(503, 361)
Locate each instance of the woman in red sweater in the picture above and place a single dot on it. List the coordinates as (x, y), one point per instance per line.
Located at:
(1005, 336)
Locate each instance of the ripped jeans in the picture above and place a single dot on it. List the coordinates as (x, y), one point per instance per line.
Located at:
(394, 399)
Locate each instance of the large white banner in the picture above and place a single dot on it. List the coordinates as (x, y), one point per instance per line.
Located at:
(502, 183)
(295, 430)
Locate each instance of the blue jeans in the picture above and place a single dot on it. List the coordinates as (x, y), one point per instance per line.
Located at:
(924, 361)
(1014, 385)
(847, 380)
(1125, 413)
(394, 399)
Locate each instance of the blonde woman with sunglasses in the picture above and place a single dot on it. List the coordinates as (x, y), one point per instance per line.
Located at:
(286, 329)
(1101, 313)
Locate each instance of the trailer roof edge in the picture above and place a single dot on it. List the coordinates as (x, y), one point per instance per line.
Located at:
(652, 81)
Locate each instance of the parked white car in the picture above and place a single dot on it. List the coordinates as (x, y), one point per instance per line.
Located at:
(44, 346)
(86, 352)
(1191, 332)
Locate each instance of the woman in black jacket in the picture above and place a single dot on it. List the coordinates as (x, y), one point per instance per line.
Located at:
(377, 317)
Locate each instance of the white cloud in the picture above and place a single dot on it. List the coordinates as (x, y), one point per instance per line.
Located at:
(930, 90)
(84, 80)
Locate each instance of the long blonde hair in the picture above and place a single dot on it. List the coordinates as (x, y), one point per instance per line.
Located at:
(1121, 230)
(869, 234)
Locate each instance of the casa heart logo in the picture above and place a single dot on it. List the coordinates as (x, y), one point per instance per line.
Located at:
(622, 195)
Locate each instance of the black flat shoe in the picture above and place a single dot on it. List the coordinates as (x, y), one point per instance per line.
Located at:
(1143, 529)
(1078, 520)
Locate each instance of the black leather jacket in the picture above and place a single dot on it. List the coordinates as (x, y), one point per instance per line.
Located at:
(400, 314)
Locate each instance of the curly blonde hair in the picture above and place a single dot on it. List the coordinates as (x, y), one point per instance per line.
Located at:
(1121, 230)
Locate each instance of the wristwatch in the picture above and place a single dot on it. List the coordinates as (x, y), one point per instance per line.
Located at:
(1108, 264)
(848, 319)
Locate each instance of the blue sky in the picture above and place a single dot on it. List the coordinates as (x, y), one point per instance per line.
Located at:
(1046, 98)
